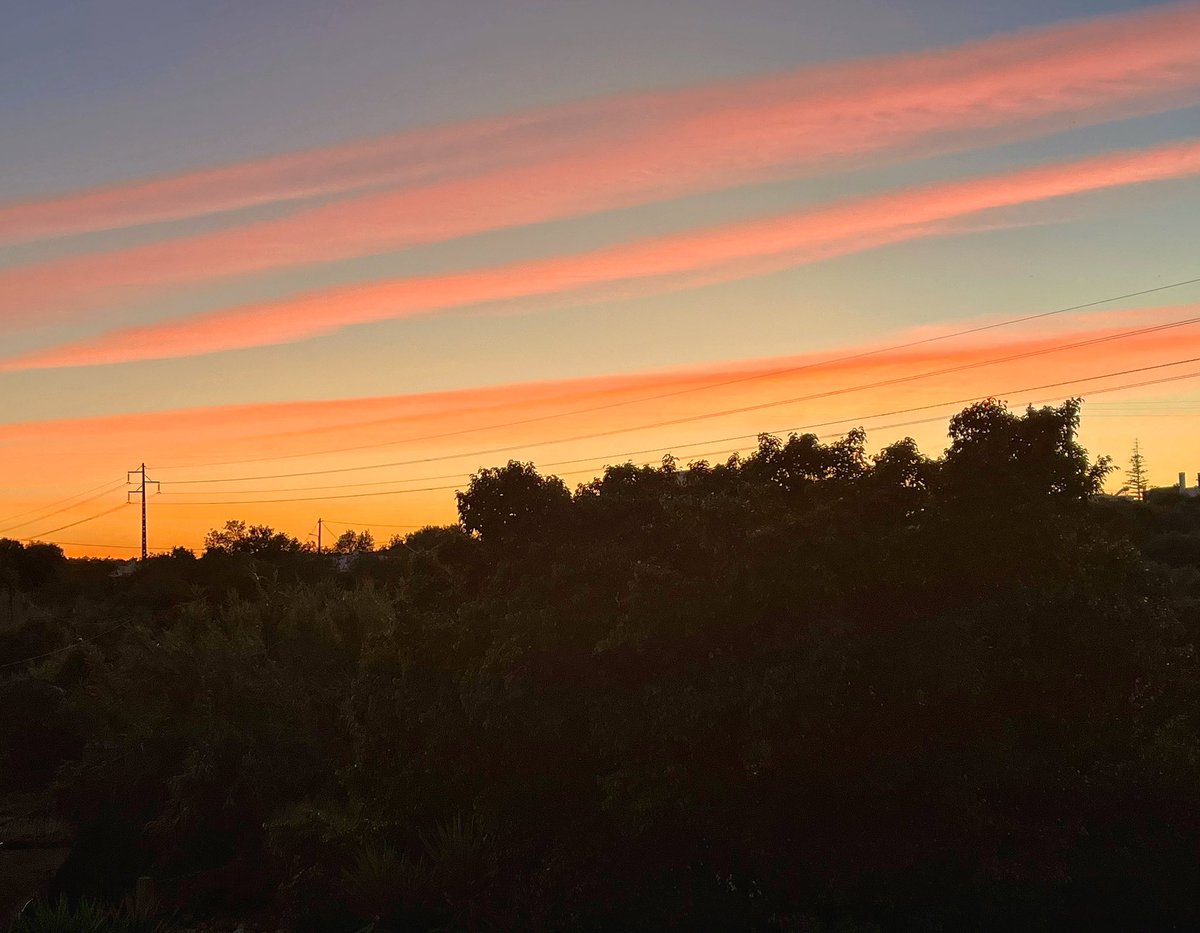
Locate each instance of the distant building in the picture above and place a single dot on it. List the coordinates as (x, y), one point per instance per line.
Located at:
(345, 562)
(1184, 490)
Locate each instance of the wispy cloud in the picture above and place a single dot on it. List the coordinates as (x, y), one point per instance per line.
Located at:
(650, 265)
(408, 421)
(412, 157)
(609, 153)
(426, 442)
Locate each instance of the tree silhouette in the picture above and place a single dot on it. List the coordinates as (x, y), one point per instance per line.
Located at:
(1135, 476)
(354, 542)
(511, 503)
(236, 537)
(815, 687)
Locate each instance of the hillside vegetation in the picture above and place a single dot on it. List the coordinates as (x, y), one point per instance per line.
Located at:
(811, 689)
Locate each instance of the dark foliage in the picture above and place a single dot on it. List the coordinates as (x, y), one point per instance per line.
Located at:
(809, 689)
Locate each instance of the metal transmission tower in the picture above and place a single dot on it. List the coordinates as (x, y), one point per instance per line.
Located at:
(141, 493)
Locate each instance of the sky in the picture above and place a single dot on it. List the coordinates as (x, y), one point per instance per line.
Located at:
(310, 260)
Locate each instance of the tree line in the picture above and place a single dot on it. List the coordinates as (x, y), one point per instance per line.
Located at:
(810, 688)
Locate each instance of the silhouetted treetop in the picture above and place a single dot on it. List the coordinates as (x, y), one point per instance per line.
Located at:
(808, 688)
(997, 456)
(352, 542)
(511, 503)
(236, 537)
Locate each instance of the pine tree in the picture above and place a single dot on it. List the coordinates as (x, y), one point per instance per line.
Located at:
(1135, 476)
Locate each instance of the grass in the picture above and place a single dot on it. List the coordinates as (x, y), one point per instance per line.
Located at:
(84, 917)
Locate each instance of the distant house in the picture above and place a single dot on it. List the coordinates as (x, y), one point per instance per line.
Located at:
(125, 569)
(1184, 490)
(345, 562)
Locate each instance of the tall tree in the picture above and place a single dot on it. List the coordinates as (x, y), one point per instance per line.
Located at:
(1135, 476)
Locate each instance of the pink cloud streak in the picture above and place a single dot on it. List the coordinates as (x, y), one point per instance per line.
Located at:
(611, 153)
(651, 265)
(264, 426)
(412, 157)
(432, 440)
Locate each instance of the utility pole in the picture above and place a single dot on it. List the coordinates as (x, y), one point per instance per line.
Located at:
(141, 493)
(320, 524)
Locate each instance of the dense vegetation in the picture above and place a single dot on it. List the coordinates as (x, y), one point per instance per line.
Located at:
(805, 690)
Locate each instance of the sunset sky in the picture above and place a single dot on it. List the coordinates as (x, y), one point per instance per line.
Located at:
(323, 260)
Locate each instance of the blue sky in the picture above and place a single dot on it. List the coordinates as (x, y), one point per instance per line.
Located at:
(123, 93)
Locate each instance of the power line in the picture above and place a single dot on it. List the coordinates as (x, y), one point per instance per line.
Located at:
(357, 495)
(1133, 404)
(712, 385)
(369, 524)
(458, 475)
(42, 535)
(382, 482)
(105, 487)
(157, 549)
(122, 547)
(1125, 386)
(558, 463)
(50, 505)
(708, 453)
(898, 411)
(66, 508)
(698, 454)
(722, 413)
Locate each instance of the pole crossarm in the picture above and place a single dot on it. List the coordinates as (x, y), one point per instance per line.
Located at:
(140, 492)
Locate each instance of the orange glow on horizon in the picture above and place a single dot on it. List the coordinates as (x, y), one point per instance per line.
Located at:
(266, 254)
(538, 421)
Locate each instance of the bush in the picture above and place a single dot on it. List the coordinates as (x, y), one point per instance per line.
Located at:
(804, 689)
(84, 917)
